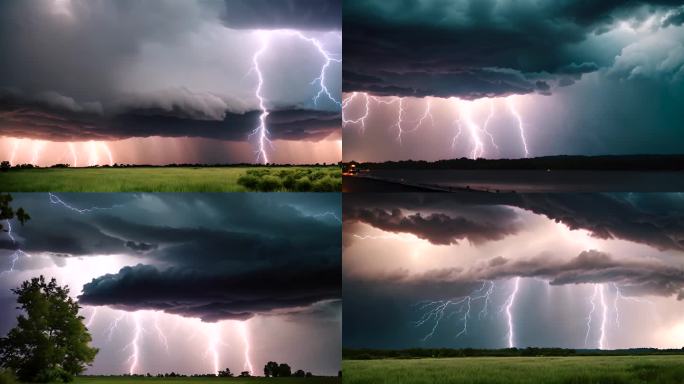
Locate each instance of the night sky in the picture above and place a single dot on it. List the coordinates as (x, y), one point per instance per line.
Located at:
(189, 282)
(95, 82)
(410, 261)
(516, 78)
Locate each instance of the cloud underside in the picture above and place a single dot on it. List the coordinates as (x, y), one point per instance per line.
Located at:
(209, 256)
(283, 14)
(654, 220)
(479, 48)
(213, 297)
(39, 121)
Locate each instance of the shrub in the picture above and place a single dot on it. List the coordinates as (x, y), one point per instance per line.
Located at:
(270, 183)
(249, 181)
(326, 184)
(303, 185)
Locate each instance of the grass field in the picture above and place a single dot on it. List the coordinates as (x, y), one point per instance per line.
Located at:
(202, 380)
(180, 179)
(518, 370)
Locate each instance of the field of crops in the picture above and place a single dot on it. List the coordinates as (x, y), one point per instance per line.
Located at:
(173, 179)
(518, 370)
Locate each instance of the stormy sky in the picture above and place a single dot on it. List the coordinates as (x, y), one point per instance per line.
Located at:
(413, 263)
(79, 78)
(516, 79)
(188, 282)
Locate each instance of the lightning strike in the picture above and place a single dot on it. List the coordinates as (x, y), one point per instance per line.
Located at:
(486, 124)
(261, 131)
(160, 333)
(521, 126)
(134, 345)
(509, 315)
(214, 338)
(360, 120)
(436, 310)
(113, 326)
(244, 334)
(92, 318)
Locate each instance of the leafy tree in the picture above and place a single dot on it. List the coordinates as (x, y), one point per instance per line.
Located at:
(271, 369)
(5, 166)
(299, 373)
(225, 373)
(50, 341)
(284, 370)
(245, 374)
(7, 213)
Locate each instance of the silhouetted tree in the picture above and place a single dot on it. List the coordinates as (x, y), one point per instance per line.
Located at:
(225, 373)
(245, 374)
(7, 213)
(299, 373)
(50, 341)
(5, 166)
(284, 370)
(271, 369)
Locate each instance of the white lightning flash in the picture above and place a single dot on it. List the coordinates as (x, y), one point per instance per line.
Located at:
(134, 345)
(509, 314)
(361, 119)
(600, 295)
(521, 126)
(261, 131)
(244, 333)
(436, 310)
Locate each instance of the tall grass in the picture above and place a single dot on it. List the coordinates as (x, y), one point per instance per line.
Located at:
(519, 370)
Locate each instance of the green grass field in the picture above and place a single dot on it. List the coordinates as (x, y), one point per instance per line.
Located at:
(202, 380)
(181, 179)
(518, 370)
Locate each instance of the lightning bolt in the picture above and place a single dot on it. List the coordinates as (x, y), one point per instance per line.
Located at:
(600, 295)
(486, 124)
(509, 315)
(160, 333)
(15, 255)
(134, 344)
(435, 311)
(92, 318)
(521, 127)
(362, 119)
(37, 148)
(15, 148)
(74, 157)
(261, 131)
(473, 129)
(244, 333)
(329, 214)
(214, 338)
(320, 80)
(113, 326)
(54, 199)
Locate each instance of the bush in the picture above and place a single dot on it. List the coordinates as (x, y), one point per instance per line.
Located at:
(303, 185)
(326, 184)
(248, 181)
(270, 183)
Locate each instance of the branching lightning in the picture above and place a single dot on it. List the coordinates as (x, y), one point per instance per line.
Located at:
(521, 126)
(435, 311)
(134, 345)
(261, 131)
(600, 295)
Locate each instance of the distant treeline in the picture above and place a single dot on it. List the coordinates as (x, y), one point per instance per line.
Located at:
(5, 165)
(604, 163)
(370, 354)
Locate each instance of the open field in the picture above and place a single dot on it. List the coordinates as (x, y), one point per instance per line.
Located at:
(204, 380)
(172, 179)
(519, 370)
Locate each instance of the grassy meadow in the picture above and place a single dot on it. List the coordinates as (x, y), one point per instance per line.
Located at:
(203, 380)
(518, 370)
(173, 179)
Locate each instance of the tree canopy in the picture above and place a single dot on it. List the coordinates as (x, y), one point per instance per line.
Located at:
(50, 341)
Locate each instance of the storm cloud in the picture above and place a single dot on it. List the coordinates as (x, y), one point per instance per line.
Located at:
(208, 256)
(295, 14)
(474, 49)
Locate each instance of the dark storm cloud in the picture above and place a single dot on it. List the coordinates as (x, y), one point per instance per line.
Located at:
(438, 228)
(214, 296)
(58, 118)
(213, 256)
(653, 219)
(633, 276)
(283, 14)
(473, 49)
